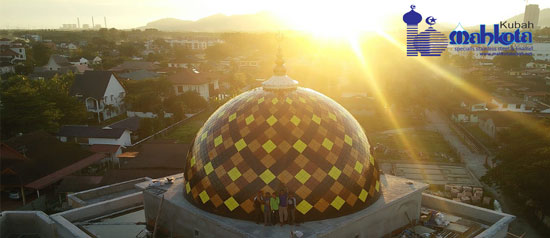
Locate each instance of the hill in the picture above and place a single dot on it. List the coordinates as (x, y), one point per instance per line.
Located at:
(544, 18)
(262, 21)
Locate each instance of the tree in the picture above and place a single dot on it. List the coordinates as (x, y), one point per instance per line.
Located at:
(523, 168)
(29, 105)
(40, 54)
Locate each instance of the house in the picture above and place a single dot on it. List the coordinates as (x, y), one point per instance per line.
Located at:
(58, 63)
(205, 84)
(102, 93)
(38, 161)
(511, 104)
(131, 124)
(462, 114)
(6, 67)
(7, 55)
(139, 75)
(129, 66)
(97, 60)
(493, 123)
(95, 135)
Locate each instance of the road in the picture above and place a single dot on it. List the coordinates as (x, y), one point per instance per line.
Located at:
(475, 163)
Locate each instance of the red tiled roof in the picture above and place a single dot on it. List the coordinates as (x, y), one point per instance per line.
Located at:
(6, 152)
(59, 174)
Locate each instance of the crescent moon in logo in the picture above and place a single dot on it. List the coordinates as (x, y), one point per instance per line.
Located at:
(430, 20)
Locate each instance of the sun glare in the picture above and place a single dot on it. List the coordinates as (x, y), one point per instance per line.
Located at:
(332, 20)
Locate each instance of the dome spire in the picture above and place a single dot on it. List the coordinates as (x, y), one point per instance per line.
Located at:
(279, 80)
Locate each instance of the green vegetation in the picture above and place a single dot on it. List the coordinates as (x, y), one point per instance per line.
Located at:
(29, 105)
(186, 133)
(523, 166)
(428, 145)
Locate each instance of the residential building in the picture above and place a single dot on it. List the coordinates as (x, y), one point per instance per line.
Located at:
(493, 123)
(129, 66)
(102, 93)
(95, 135)
(6, 67)
(97, 60)
(139, 75)
(205, 84)
(510, 103)
(58, 63)
(38, 160)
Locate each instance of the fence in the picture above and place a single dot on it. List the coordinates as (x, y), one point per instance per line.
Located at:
(167, 128)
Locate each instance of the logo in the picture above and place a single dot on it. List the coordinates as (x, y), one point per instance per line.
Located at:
(459, 36)
(428, 43)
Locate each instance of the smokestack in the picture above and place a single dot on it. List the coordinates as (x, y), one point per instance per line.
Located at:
(78, 21)
(105, 21)
(93, 24)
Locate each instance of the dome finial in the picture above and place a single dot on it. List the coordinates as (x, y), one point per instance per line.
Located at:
(279, 69)
(279, 80)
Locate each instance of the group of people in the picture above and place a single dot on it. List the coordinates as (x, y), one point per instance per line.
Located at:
(275, 207)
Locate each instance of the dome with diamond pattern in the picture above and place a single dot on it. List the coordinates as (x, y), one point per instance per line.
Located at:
(281, 136)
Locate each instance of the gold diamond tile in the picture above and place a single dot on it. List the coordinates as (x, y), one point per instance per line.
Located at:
(271, 120)
(241, 144)
(284, 176)
(377, 186)
(348, 140)
(302, 100)
(269, 146)
(304, 207)
(352, 198)
(332, 116)
(372, 159)
(337, 202)
(295, 120)
(274, 101)
(301, 160)
(358, 167)
(321, 205)
(270, 133)
(288, 100)
(347, 170)
(300, 146)
(319, 174)
(232, 116)
(232, 189)
(363, 195)
(249, 119)
(336, 187)
(192, 162)
(250, 175)
(261, 100)
(302, 176)
(234, 173)
(204, 135)
(216, 200)
(204, 196)
(248, 206)
(187, 188)
(334, 173)
(208, 168)
(327, 144)
(316, 119)
(231, 203)
(267, 176)
(303, 191)
(267, 161)
(218, 140)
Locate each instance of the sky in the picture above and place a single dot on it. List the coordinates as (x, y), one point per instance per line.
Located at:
(125, 14)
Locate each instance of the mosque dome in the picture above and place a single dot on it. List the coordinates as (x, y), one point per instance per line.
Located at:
(281, 136)
(412, 17)
(430, 42)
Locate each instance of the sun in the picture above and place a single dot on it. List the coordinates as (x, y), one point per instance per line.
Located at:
(341, 19)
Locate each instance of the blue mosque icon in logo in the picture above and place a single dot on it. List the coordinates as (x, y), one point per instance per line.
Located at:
(428, 43)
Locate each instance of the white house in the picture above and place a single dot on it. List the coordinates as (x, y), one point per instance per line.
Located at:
(541, 51)
(511, 104)
(56, 63)
(94, 135)
(97, 60)
(205, 84)
(6, 67)
(102, 93)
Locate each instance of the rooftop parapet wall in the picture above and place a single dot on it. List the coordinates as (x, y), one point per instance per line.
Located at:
(497, 222)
